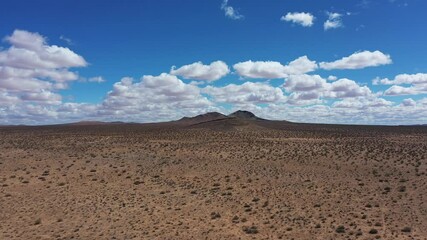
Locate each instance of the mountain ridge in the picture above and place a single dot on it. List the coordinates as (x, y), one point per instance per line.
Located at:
(242, 114)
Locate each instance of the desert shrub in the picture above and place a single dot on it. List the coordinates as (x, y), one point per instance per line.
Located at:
(250, 230)
(340, 229)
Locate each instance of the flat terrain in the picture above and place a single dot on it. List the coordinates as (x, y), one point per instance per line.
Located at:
(224, 179)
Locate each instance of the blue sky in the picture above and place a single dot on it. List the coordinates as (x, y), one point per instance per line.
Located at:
(361, 61)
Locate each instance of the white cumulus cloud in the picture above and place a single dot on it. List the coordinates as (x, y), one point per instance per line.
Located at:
(417, 84)
(301, 18)
(334, 21)
(153, 97)
(304, 82)
(362, 103)
(418, 78)
(199, 71)
(272, 69)
(409, 102)
(358, 60)
(315, 88)
(346, 88)
(247, 92)
(397, 90)
(30, 69)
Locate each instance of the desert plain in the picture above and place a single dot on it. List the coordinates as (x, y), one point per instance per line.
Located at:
(213, 177)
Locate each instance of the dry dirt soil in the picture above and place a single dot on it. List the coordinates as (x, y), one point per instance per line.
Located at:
(222, 180)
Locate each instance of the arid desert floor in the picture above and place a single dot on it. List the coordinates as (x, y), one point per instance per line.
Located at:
(228, 179)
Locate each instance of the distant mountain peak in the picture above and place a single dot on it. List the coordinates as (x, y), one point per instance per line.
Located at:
(242, 114)
(206, 117)
(238, 117)
(211, 114)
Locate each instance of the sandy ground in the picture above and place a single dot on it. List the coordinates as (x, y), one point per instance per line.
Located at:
(244, 182)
